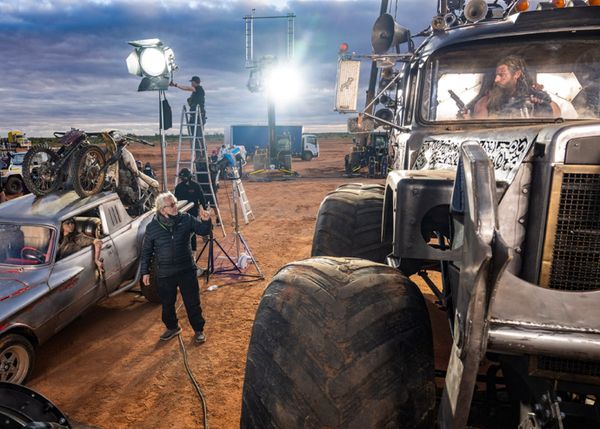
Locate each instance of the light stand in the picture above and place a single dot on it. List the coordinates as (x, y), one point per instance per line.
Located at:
(163, 141)
(240, 243)
(154, 63)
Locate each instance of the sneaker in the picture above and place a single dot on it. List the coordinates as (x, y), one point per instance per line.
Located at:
(199, 337)
(170, 333)
(199, 272)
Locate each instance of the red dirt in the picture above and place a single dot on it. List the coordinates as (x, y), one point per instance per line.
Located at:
(108, 368)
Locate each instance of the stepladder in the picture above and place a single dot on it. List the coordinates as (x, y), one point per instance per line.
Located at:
(240, 194)
(192, 153)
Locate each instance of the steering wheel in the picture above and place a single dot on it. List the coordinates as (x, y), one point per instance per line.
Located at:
(33, 254)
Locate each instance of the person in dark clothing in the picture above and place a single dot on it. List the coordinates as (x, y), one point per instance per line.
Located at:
(149, 171)
(167, 244)
(189, 190)
(2, 194)
(196, 99)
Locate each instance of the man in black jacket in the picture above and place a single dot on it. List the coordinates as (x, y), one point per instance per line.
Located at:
(167, 243)
(191, 191)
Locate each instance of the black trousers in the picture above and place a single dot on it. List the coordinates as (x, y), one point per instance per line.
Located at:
(190, 292)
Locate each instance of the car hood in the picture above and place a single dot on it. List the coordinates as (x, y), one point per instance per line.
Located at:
(20, 289)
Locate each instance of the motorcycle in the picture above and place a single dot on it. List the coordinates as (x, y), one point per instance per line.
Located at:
(45, 170)
(114, 168)
(91, 168)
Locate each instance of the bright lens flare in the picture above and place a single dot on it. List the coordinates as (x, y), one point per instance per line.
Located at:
(153, 61)
(283, 83)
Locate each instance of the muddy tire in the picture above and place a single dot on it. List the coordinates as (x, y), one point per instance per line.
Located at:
(16, 358)
(349, 224)
(87, 171)
(39, 171)
(339, 343)
(14, 185)
(150, 292)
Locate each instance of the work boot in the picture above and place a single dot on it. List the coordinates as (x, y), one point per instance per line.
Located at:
(170, 333)
(199, 337)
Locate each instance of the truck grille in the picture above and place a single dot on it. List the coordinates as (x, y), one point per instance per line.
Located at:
(571, 366)
(572, 248)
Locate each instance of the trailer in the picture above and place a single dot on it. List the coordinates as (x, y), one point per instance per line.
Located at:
(252, 137)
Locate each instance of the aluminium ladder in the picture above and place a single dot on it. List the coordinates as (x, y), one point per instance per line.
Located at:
(242, 197)
(194, 156)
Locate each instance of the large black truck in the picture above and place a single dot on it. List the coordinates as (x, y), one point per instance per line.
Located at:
(494, 201)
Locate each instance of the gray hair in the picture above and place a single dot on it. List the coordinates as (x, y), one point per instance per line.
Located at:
(161, 200)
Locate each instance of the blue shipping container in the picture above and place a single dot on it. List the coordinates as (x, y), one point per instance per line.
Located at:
(257, 136)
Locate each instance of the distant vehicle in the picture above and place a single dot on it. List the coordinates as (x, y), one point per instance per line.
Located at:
(305, 146)
(39, 293)
(16, 139)
(374, 156)
(11, 173)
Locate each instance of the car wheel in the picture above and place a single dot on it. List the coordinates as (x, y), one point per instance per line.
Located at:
(307, 156)
(340, 343)
(150, 292)
(16, 358)
(14, 185)
(349, 224)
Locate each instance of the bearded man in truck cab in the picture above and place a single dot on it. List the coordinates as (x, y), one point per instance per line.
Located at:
(514, 94)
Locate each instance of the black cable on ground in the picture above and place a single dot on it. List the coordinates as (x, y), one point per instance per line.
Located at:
(194, 382)
(199, 391)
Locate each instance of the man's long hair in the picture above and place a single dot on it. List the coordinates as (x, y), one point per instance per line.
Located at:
(498, 97)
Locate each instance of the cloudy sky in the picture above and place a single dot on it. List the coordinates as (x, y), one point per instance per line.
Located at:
(63, 61)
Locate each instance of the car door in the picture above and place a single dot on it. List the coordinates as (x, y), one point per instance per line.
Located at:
(124, 237)
(75, 285)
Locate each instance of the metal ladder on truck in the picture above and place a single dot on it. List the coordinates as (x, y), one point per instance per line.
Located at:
(192, 153)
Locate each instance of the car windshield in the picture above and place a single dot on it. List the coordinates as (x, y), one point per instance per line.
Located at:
(18, 158)
(25, 244)
(517, 79)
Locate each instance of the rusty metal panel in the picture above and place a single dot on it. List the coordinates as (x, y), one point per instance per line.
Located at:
(346, 93)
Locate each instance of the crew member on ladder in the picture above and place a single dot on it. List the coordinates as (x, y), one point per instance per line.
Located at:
(196, 99)
(188, 189)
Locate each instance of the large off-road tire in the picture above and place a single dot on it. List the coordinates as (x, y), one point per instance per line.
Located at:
(39, 171)
(150, 292)
(16, 358)
(14, 185)
(339, 343)
(349, 223)
(87, 170)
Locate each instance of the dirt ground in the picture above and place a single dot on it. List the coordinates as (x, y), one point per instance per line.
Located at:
(108, 369)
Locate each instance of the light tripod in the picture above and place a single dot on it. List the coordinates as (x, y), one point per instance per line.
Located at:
(239, 243)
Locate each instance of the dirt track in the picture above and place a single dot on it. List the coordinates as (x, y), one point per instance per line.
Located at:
(108, 368)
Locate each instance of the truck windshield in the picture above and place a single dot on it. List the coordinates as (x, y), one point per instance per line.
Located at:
(534, 79)
(25, 244)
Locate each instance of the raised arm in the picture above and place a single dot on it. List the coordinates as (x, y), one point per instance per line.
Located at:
(182, 87)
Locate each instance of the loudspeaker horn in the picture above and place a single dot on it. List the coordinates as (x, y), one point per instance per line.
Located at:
(385, 114)
(475, 10)
(387, 33)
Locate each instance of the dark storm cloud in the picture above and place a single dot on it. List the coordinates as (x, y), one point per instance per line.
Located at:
(64, 64)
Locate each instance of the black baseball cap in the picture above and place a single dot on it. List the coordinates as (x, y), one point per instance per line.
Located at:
(195, 79)
(184, 173)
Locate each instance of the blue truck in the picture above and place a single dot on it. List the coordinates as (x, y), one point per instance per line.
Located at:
(305, 146)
